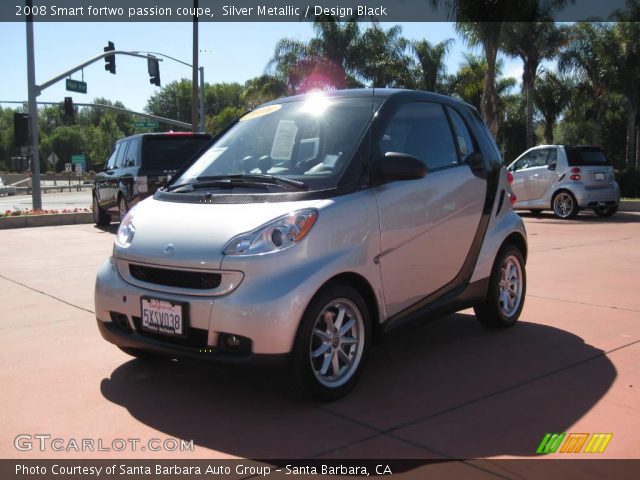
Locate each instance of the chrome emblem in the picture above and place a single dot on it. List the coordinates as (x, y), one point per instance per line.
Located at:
(168, 250)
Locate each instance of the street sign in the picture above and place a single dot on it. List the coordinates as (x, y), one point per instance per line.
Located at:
(79, 168)
(76, 86)
(146, 124)
(78, 159)
(67, 167)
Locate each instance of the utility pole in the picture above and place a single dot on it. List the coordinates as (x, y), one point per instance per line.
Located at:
(194, 76)
(33, 92)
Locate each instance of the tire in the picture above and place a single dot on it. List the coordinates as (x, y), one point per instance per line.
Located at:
(536, 211)
(122, 208)
(564, 205)
(606, 211)
(317, 347)
(493, 312)
(100, 217)
(141, 354)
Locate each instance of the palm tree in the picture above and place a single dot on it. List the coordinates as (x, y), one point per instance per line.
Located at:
(328, 60)
(431, 63)
(551, 96)
(627, 35)
(589, 56)
(532, 42)
(468, 83)
(383, 58)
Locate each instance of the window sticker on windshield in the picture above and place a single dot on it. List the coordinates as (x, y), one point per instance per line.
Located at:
(204, 162)
(259, 112)
(283, 140)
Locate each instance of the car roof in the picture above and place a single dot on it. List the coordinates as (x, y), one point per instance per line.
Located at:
(377, 93)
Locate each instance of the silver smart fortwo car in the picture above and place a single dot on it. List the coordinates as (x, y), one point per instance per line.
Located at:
(564, 179)
(310, 227)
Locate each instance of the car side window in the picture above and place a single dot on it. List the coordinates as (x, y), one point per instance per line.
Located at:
(422, 130)
(536, 158)
(111, 163)
(465, 142)
(131, 158)
(553, 156)
(120, 154)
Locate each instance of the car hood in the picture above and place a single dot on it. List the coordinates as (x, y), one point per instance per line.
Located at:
(192, 235)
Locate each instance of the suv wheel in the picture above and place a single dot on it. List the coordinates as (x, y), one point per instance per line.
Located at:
(507, 288)
(564, 205)
(122, 208)
(100, 217)
(606, 211)
(332, 343)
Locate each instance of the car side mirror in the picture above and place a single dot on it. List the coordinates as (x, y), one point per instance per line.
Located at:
(552, 166)
(401, 166)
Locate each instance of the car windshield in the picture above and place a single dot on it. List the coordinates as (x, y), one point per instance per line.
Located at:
(301, 144)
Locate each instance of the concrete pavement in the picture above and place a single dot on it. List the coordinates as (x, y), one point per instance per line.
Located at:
(447, 389)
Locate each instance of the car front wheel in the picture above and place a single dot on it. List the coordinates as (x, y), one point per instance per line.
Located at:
(122, 208)
(332, 343)
(100, 217)
(507, 288)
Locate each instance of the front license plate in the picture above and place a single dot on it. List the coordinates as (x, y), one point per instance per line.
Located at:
(599, 177)
(163, 316)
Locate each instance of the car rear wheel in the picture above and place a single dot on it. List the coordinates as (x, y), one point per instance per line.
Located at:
(122, 208)
(565, 205)
(100, 217)
(507, 288)
(332, 343)
(606, 211)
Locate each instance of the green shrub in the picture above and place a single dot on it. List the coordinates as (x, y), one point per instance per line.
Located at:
(629, 181)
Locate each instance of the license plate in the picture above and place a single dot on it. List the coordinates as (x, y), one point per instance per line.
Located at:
(163, 316)
(599, 177)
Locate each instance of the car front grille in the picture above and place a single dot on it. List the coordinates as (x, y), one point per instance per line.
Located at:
(175, 278)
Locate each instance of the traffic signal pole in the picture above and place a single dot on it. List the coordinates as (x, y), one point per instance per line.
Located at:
(35, 90)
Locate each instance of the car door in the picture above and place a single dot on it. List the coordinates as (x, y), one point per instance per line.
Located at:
(522, 175)
(427, 225)
(114, 175)
(540, 175)
(129, 169)
(103, 183)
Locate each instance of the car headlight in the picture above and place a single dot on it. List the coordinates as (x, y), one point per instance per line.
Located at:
(126, 230)
(279, 234)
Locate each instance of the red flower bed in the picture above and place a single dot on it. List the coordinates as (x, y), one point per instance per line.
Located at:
(17, 213)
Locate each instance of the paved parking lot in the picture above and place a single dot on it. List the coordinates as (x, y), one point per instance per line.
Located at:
(447, 389)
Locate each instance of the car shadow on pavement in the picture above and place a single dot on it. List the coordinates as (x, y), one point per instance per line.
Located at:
(583, 217)
(447, 389)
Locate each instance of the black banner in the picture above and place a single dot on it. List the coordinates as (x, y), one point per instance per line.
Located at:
(304, 469)
(294, 10)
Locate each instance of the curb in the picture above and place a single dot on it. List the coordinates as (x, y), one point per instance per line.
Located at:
(25, 221)
(626, 206)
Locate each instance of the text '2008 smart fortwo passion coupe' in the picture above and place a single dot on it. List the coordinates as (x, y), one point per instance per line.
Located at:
(313, 225)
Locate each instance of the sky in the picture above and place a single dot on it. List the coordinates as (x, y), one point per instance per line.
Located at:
(229, 52)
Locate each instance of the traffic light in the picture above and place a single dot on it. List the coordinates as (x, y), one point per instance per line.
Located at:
(20, 129)
(69, 112)
(154, 70)
(110, 60)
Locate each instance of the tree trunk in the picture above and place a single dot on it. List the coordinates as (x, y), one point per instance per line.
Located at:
(631, 136)
(489, 96)
(597, 125)
(548, 132)
(528, 80)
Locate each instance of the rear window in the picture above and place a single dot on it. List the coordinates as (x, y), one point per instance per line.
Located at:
(170, 152)
(586, 156)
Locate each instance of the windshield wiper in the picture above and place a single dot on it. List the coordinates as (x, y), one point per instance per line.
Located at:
(261, 178)
(226, 184)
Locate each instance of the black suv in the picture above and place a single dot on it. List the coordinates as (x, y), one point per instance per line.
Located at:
(137, 167)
